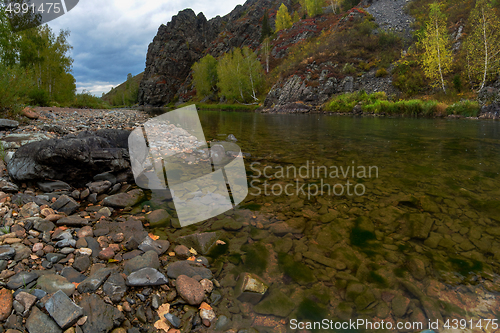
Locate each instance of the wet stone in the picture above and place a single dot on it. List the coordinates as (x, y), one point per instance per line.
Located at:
(250, 288)
(81, 263)
(276, 304)
(190, 289)
(53, 186)
(27, 300)
(201, 242)
(54, 257)
(22, 251)
(101, 317)
(29, 209)
(149, 244)
(62, 309)
(122, 200)
(65, 204)
(146, 277)
(44, 225)
(400, 305)
(72, 275)
(187, 268)
(175, 321)
(85, 232)
(73, 221)
(158, 218)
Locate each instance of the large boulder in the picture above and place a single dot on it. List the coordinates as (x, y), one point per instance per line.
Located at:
(74, 158)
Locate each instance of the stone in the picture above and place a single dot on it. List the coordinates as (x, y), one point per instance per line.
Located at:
(421, 225)
(337, 264)
(22, 251)
(417, 268)
(189, 268)
(148, 259)
(148, 244)
(276, 304)
(85, 232)
(201, 242)
(115, 287)
(122, 200)
(400, 305)
(146, 277)
(72, 275)
(6, 300)
(54, 257)
(106, 254)
(101, 317)
(27, 300)
(175, 321)
(190, 289)
(43, 225)
(8, 124)
(7, 186)
(7, 252)
(39, 322)
(81, 263)
(158, 218)
(51, 283)
(74, 158)
(94, 281)
(73, 221)
(250, 288)
(62, 309)
(53, 186)
(29, 209)
(65, 204)
(21, 279)
(99, 186)
(182, 251)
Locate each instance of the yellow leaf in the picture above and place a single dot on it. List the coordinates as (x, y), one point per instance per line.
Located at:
(193, 251)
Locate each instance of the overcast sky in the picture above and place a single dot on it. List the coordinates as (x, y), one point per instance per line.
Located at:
(110, 38)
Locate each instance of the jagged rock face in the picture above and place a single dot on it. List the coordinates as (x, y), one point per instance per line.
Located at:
(172, 53)
(186, 39)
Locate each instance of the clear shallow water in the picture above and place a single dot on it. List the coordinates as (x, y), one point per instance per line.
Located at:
(422, 242)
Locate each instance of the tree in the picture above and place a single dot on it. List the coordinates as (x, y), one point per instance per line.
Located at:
(437, 57)
(205, 76)
(335, 4)
(240, 75)
(314, 7)
(483, 43)
(283, 19)
(266, 27)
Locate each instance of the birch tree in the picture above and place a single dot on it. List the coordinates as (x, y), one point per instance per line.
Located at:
(435, 41)
(283, 18)
(483, 43)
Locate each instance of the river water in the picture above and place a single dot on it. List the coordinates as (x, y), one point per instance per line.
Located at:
(380, 220)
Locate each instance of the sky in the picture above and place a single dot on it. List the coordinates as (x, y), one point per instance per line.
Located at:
(110, 38)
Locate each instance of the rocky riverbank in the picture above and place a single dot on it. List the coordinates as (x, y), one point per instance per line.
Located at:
(81, 259)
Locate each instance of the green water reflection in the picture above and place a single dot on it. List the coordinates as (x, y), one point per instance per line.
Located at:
(422, 243)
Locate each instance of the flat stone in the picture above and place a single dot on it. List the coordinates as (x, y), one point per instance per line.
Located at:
(65, 204)
(7, 252)
(22, 251)
(51, 283)
(8, 124)
(29, 209)
(175, 321)
(146, 277)
(106, 254)
(81, 263)
(53, 186)
(73, 221)
(21, 279)
(62, 309)
(188, 268)
(276, 304)
(337, 264)
(131, 227)
(148, 259)
(27, 300)
(115, 287)
(85, 232)
(190, 289)
(54, 257)
(101, 317)
(93, 282)
(44, 225)
(250, 288)
(182, 251)
(39, 322)
(149, 244)
(122, 200)
(99, 186)
(7, 186)
(201, 242)
(72, 275)
(6, 300)
(158, 218)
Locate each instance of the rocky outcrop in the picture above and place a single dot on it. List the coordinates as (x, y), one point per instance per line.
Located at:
(186, 39)
(74, 158)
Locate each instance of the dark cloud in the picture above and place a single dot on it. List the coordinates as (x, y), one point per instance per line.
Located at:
(110, 38)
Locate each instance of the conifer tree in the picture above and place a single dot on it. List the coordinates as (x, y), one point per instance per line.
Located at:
(266, 27)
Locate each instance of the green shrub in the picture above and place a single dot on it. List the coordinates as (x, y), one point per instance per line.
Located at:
(409, 78)
(14, 82)
(349, 69)
(86, 100)
(382, 72)
(414, 107)
(388, 39)
(346, 102)
(39, 97)
(457, 83)
(464, 108)
(348, 4)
